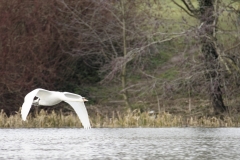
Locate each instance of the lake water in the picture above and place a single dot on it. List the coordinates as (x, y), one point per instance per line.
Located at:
(129, 143)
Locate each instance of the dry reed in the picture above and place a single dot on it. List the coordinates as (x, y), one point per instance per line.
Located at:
(116, 120)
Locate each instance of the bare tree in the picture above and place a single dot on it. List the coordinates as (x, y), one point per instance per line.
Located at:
(117, 33)
(217, 65)
(31, 51)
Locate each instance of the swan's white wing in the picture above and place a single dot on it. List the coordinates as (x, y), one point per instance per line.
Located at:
(81, 111)
(28, 100)
(43, 93)
(72, 95)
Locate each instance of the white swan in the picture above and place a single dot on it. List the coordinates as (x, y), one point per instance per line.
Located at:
(50, 98)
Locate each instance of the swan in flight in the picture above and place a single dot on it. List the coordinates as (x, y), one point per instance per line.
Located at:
(50, 98)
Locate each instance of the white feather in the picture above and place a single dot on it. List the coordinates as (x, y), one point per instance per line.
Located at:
(81, 111)
(50, 98)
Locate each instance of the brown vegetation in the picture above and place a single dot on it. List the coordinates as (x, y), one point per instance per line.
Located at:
(136, 53)
(115, 120)
(32, 51)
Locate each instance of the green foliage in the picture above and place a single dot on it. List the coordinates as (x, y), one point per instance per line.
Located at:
(139, 106)
(170, 74)
(160, 58)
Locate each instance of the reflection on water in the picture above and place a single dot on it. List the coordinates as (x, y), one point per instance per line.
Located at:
(133, 143)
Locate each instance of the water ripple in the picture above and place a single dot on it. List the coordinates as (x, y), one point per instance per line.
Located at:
(132, 143)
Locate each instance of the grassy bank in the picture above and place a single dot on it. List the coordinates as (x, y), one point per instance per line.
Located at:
(115, 120)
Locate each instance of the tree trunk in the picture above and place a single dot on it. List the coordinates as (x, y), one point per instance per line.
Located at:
(124, 67)
(209, 19)
(213, 77)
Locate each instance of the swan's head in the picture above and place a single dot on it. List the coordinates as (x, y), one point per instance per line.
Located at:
(36, 102)
(84, 99)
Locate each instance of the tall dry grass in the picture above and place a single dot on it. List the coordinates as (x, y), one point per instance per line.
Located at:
(115, 120)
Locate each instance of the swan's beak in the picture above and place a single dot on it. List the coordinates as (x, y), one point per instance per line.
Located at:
(84, 99)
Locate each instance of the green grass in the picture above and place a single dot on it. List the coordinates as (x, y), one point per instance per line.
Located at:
(170, 74)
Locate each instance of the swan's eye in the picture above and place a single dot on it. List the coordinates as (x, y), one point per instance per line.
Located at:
(35, 98)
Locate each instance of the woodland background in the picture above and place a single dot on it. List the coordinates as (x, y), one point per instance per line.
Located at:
(177, 56)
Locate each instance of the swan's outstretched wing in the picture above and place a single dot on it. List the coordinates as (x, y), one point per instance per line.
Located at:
(81, 111)
(28, 100)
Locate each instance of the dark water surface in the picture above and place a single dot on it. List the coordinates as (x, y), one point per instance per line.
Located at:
(132, 143)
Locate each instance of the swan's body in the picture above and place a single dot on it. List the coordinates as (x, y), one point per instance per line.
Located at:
(50, 98)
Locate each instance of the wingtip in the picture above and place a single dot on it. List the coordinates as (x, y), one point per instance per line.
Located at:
(24, 118)
(87, 127)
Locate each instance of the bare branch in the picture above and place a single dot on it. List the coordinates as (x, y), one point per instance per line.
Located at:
(192, 15)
